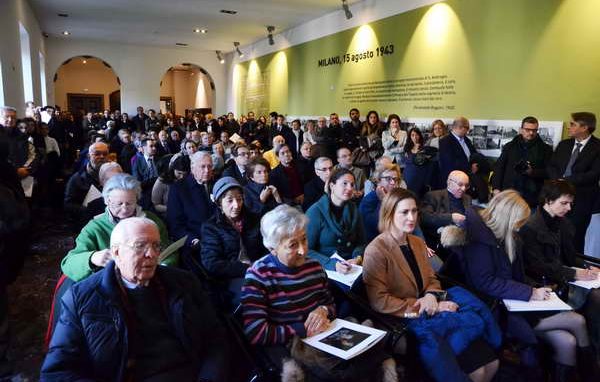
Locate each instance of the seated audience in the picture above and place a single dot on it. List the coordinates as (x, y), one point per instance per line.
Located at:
(441, 208)
(335, 225)
(550, 256)
(91, 253)
(189, 204)
(287, 178)
(315, 188)
(237, 170)
(231, 239)
(271, 155)
(493, 264)
(137, 321)
(393, 139)
(344, 158)
(285, 297)
(260, 196)
(455, 332)
(438, 131)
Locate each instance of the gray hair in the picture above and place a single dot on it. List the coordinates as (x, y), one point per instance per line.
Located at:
(320, 160)
(5, 109)
(119, 233)
(105, 168)
(198, 156)
(281, 223)
(123, 182)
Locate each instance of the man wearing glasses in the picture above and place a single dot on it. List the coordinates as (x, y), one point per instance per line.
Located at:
(237, 170)
(315, 188)
(136, 321)
(445, 207)
(522, 164)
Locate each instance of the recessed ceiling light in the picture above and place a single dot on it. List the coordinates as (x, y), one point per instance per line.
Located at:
(66, 33)
(63, 15)
(84, 61)
(229, 12)
(197, 30)
(181, 44)
(203, 31)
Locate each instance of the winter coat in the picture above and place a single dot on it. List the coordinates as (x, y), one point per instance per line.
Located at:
(326, 236)
(95, 236)
(252, 201)
(221, 245)
(90, 342)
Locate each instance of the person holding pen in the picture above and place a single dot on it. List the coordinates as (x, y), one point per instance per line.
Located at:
(335, 225)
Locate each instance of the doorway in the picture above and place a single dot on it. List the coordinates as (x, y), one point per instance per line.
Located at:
(89, 102)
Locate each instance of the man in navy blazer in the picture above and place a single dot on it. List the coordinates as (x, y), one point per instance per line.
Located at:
(144, 169)
(189, 204)
(577, 159)
(293, 137)
(237, 170)
(456, 149)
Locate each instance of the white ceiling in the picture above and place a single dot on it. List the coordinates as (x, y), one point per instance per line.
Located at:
(166, 22)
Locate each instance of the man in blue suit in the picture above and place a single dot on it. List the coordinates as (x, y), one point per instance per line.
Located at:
(144, 169)
(189, 204)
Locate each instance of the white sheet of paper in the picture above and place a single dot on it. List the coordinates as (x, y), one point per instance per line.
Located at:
(553, 303)
(348, 278)
(592, 284)
(27, 184)
(235, 138)
(171, 249)
(345, 347)
(92, 194)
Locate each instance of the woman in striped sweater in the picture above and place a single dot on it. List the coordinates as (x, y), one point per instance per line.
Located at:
(285, 293)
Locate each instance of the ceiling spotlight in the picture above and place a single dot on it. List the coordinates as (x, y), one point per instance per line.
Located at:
(66, 33)
(220, 56)
(198, 30)
(237, 49)
(84, 61)
(346, 9)
(271, 29)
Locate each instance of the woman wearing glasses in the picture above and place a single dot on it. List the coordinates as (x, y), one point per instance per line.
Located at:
(91, 253)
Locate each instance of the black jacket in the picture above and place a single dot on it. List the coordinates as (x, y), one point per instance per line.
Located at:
(436, 210)
(505, 176)
(313, 190)
(91, 338)
(234, 172)
(221, 245)
(252, 201)
(549, 254)
(452, 157)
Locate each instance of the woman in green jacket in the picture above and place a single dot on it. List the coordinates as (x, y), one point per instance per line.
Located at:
(335, 225)
(92, 246)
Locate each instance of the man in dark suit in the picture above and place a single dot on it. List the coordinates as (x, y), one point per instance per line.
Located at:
(163, 146)
(293, 137)
(189, 204)
(445, 207)
(241, 155)
(315, 188)
(139, 121)
(144, 169)
(577, 159)
(280, 128)
(287, 178)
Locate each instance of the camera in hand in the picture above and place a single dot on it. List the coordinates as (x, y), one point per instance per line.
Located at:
(522, 166)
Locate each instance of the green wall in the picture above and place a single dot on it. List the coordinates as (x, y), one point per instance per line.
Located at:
(502, 59)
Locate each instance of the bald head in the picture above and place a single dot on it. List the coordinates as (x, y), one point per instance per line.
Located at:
(460, 126)
(126, 229)
(458, 183)
(8, 116)
(98, 153)
(278, 140)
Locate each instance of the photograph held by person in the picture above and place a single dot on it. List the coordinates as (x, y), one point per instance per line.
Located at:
(230, 240)
(550, 256)
(493, 263)
(400, 281)
(285, 297)
(134, 320)
(335, 225)
(577, 159)
(522, 163)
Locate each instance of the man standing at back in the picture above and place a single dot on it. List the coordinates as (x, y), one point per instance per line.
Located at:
(577, 159)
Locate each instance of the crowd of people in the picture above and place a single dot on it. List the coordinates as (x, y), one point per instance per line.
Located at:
(258, 208)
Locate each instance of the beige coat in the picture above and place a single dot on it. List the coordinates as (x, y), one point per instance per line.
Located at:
(391, 286)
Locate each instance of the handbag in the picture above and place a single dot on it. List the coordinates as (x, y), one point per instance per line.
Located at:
(360, 157)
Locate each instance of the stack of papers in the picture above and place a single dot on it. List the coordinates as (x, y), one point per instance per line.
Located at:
(553, 303)
(344, 278)
(592, 284)
(345, 339)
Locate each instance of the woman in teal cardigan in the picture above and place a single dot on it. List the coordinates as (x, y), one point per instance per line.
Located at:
(335, 225)
(121, 194)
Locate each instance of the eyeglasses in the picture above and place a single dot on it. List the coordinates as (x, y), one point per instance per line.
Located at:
(459, 184)
(390, 179)
(114, 204)
(325, 169)
(530, 130)
(243, 153)
(140, 247)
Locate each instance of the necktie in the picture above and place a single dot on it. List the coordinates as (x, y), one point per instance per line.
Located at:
(152, 168)
(574, 156)
(465, 148)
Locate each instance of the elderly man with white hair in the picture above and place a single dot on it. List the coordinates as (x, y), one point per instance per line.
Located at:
(137, 321)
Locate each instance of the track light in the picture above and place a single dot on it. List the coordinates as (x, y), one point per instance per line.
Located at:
(220, 57)
(271, 29)
(346, 9)
(237, 49)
